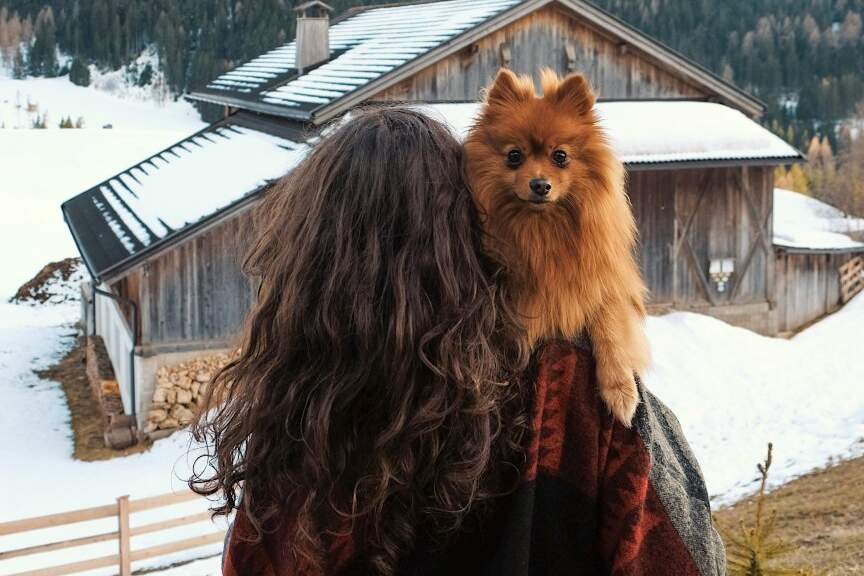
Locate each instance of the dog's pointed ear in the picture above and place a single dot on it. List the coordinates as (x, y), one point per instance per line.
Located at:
(575, 93)
(507, 89)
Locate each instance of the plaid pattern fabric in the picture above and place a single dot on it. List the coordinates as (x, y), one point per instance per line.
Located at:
(594, 498)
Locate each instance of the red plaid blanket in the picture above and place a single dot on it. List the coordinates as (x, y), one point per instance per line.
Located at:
(595, 498)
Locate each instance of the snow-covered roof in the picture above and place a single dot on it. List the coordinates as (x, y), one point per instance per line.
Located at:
(119, 221)
(806, 224)
(371, 46)
(664, 132)
(363, 48)
(163, 196)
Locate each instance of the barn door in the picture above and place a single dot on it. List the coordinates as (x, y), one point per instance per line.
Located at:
(722, 246)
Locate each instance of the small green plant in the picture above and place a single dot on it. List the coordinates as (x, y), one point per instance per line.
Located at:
(753, 550)
(40, 121)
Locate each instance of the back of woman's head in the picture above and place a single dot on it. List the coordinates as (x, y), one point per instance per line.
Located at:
(371, 391)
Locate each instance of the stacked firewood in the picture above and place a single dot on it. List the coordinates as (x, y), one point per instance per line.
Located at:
(180, 391)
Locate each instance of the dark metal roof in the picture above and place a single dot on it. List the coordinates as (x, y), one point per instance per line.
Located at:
(376, 47)
(120, 221)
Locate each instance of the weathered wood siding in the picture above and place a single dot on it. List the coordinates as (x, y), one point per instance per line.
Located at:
(807, 288)
(537, 40)
(652, 195)
(686, 218)
(196, 292)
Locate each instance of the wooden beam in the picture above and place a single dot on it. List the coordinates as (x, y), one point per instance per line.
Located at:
(60, 519)
(185, 544)
(123, 525)
(760, 238)
(162, 500)
(172, 523)
(74, 567)
(61, 545)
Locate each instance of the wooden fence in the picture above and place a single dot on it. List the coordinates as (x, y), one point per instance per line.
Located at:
(125, 555)
(851, 278)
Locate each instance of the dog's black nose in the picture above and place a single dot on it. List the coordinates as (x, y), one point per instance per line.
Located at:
(540, 186)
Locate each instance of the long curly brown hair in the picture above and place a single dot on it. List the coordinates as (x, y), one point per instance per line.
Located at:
(376, 384)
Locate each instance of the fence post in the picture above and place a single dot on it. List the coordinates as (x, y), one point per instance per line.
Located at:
(123, 528)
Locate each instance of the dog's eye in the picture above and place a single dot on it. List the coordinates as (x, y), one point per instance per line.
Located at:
(559, 156)
(514, 157)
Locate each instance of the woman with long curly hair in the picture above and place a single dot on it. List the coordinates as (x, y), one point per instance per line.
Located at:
(382, 416)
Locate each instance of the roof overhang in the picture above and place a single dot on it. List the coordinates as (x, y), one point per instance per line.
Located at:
(179, 191)
(780, 248)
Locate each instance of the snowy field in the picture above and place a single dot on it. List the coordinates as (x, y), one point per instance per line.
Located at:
(40, 169)
(109, 100)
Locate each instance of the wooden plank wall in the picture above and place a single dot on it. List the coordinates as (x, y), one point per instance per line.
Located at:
(196, 291)
(722, 226)
(537, 40)
(808, 287)
(652, 195)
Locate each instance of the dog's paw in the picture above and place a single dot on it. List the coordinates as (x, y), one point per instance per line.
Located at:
(618, 390)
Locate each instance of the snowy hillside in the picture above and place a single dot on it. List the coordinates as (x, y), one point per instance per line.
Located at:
(113, 98)
(734, 391)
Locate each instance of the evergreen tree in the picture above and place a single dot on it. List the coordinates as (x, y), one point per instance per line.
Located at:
(43, 54)
(19, 64)
(79, 73)
(753, 550)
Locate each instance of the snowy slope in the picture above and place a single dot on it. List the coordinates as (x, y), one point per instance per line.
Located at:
(734, 391)
(804, 222)
(58, 98)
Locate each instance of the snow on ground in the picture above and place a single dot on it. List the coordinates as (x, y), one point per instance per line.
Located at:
(734, 391)
(804, 222)
(58, 98)
(40, 476)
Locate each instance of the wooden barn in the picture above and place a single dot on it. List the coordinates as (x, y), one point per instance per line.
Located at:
(163, 239)
(818, 264)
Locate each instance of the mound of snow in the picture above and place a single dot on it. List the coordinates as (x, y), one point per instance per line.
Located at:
(734, 391)
(804, 222)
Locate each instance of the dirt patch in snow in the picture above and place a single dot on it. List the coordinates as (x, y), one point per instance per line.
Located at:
(88, 423)
(820, 515)
(57, 282)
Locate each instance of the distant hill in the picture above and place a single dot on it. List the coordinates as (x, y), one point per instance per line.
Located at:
(804, 58)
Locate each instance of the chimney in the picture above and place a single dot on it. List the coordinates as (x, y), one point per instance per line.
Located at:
(313, 34)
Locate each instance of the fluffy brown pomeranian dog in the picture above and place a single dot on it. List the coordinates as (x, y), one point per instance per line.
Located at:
(551, 196)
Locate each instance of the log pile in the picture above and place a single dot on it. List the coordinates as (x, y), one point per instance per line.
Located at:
(180, 392)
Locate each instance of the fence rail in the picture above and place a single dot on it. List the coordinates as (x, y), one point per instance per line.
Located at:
(122, 510)
(851, 278)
